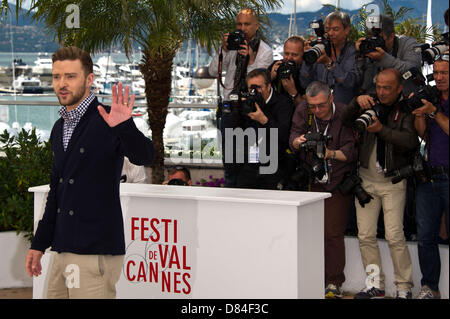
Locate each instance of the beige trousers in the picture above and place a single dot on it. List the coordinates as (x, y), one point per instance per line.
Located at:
(84, 276)
(392, 198)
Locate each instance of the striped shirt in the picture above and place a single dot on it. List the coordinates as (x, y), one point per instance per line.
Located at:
(71, 118)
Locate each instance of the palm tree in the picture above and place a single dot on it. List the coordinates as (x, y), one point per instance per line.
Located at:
(158, 26)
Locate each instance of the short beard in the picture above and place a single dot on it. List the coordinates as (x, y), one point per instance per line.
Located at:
(76, 98)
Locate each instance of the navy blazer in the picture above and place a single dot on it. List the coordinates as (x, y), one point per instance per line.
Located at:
(83, 214)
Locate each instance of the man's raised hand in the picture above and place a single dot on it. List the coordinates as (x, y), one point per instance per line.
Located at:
(121, 106)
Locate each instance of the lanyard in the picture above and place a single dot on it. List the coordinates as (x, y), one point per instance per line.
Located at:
(326, 129)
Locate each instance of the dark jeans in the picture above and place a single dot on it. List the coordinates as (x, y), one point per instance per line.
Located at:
(431, 202)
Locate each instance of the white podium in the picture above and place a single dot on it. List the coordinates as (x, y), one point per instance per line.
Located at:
(201, 242)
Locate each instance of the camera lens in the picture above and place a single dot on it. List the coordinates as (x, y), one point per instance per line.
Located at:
(430, 54)
(364, 120)
(363, 197)
(311, 55)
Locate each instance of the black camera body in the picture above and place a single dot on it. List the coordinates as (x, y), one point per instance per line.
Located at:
(370, 43)
(299, 173)
(177, 181)
(429, 53)
(316, 142)
(286, 69)
(248, 100)
(351, 184)
(418, 169)
(427, 92)
(365, 119)
(421, 91)
(236, 39)
(321, 43)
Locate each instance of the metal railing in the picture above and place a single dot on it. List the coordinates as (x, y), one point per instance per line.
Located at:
(102, 98)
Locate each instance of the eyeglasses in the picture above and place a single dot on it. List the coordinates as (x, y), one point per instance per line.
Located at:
(320, 105)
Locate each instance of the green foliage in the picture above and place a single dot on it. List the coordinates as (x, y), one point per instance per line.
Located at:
(27, 163)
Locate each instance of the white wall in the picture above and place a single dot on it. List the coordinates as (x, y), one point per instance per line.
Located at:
(355, 275)
(13, 250)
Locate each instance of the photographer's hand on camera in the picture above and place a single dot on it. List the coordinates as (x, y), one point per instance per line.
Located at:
(298, 141)
(376, 125)
(365, 101)
(377, 55)
(247, 50)
(258, 115)
(289, 86)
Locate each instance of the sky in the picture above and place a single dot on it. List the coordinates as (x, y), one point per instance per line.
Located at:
(314, 5)
(287, 8)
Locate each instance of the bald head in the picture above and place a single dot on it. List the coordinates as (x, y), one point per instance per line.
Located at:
(389, 86)
(247, 21)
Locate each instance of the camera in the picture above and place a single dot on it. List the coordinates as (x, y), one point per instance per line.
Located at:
(298, 174)
(365, 119)
(286, 69)
(417, 169)
(316, 142)
(235, 40)
(228, 106)
(248, 100)
(351, 184)
(177, 181)
(421, 91)
(429, 53)
(321, 43)
(370, 43)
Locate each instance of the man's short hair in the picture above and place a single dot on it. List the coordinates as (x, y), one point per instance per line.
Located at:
(296, 39)
(387, 25)
(314, 88)
(249, 12)
(73, 53)
(173, 169)
(341, 16)
(259, 72)
(396, 73)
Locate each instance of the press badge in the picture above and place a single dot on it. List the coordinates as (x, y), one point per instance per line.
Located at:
(253, 155)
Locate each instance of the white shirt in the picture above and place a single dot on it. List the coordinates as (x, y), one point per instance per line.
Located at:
(134, 173)
(264, 59)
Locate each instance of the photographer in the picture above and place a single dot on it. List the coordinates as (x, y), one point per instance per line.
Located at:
(382, 49)
(249, 54)
(320, 114)
(259, 112)
(252, 54)
(336, 64)
(432, 124)
(286, 80)
(178, 175)
(387, 142)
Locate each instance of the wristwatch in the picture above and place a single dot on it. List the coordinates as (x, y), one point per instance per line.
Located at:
(293, 96)
(432, 115)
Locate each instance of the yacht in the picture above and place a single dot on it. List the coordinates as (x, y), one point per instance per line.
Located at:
(43, 65)
(107, 67)
(26, 84)
(130, 70)
(20, 68)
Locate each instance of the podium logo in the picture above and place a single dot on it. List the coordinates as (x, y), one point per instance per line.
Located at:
(73, 277)
(73, 19)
